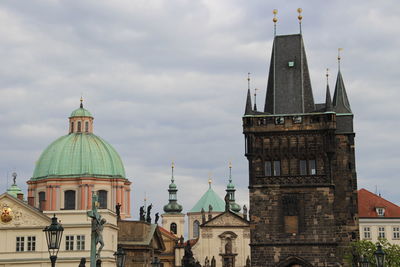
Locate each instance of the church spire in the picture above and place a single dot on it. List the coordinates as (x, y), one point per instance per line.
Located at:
(328, 100)
(173, 206)
(340, 101)
(248, 110)
(230, 190)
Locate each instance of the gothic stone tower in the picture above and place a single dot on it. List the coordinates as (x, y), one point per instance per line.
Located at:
(302, 177)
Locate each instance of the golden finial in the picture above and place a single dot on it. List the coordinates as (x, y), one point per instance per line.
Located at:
(275, 19)
(173, 164)
(81, 105)
(209, 180)
(230, 164)
(300, 17)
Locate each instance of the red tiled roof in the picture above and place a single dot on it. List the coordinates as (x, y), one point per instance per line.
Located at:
(168, 233)
(368, 202)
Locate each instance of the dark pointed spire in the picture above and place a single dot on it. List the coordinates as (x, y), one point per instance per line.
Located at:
(255, 99)
(340, 101)
(248, 110)
(81, 105)
(289, 85)
(328, 100)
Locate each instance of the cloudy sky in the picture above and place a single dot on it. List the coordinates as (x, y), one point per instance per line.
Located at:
(166, 80)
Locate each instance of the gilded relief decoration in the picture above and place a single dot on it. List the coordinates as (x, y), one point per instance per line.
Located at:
(6, 214)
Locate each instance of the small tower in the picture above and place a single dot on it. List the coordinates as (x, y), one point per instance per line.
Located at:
(230, 190)
(173, 220)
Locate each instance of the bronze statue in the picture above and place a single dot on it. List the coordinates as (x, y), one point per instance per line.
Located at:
(142, 213)
(148, 218)
(226, 202)
(213, 262)
(156, 219)
(82, 263)
(118, 210)
(99, 226)
(203, 216)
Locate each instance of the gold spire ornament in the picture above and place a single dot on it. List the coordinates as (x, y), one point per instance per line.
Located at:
(299, 17)
(275, 19)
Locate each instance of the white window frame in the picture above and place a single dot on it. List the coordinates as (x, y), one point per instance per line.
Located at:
(31, 243)
(69, 242)
(396, 232)
(80, 242)
(367, 232)
(381, 232)
(20, 244)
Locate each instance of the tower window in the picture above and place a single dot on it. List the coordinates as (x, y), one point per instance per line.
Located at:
(196, 229)
(312, 167)
(42, 200)
(173, 228)
(308, 167)
(69, 200)
(277, 167)
(72, 127)
(102, 199)
(79, 127)
(273, 168)
(268, 168)
(303, 167)
(86, 126)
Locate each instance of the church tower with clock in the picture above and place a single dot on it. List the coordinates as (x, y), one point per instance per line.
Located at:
(302, 176)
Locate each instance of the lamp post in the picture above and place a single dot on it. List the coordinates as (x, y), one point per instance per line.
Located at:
(380, 256)
(120, 257)
(364, 262)
(53, 234)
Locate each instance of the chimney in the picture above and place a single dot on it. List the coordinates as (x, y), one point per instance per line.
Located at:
(20, 196)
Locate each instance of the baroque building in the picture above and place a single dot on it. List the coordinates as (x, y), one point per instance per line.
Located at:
(302, 176)
(379, 218)
(74, 166)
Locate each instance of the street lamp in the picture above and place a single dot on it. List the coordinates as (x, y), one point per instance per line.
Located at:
(156, 262)
(380, 256)
(53, 234)
(120, 257)
(364, 262)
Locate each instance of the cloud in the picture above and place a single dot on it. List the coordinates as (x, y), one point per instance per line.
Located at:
(166, 80)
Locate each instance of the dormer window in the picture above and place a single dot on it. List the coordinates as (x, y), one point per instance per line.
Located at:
(380, 211)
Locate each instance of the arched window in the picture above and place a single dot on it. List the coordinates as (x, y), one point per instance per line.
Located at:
(69, 200)
(102, 199)
(42, 200)
(72, 127)
(173, 228)
(196, 229)
(79, 127)
(86, 126)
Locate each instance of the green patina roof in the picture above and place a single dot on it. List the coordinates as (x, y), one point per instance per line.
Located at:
(209, 198)
(81, 112)
(14, 190)
(79, 155)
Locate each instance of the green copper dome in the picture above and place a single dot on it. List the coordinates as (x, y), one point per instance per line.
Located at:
(79, 155)
(14, 190)
(80, 112)
(209, 198)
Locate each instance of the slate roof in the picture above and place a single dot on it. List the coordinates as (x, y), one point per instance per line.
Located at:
(289, 86)
(340, 101)
(368, 202)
